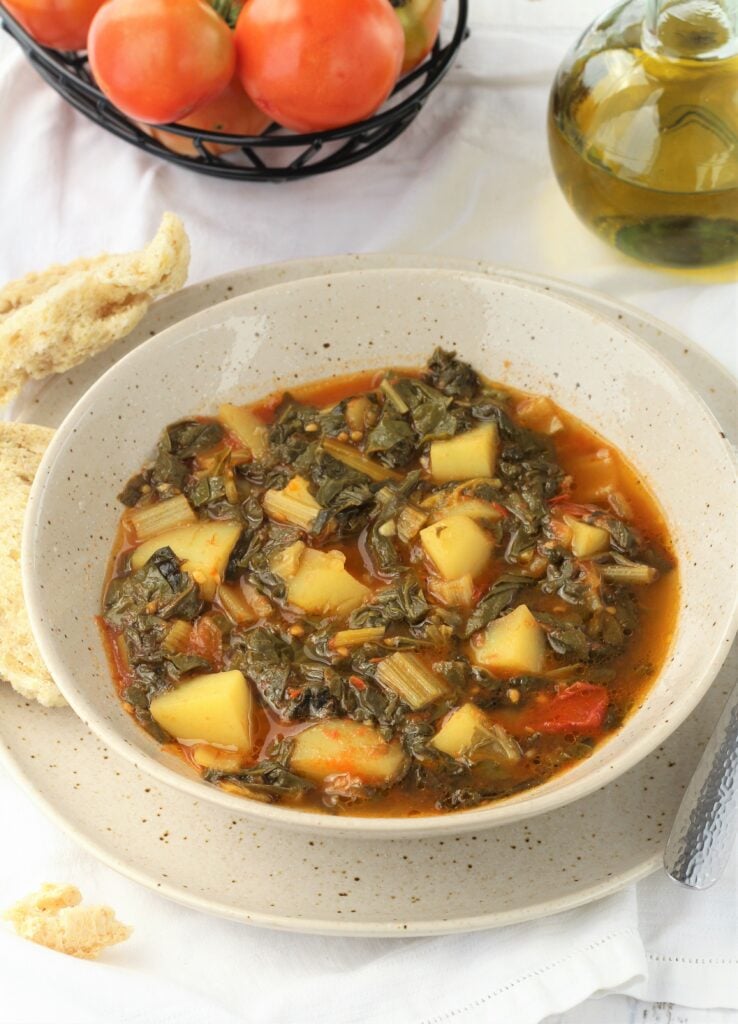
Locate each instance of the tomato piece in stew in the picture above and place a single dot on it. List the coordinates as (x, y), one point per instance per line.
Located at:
(403, 592)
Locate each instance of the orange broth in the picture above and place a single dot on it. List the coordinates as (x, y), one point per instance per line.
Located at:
(589, 459)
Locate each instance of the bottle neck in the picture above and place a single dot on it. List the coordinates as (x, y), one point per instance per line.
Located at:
(691, 29)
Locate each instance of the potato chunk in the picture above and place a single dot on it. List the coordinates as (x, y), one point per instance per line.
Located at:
(457, 545)
(473, 508)
(586, 540)
(216, 759)
(467, 732)
(342, 746)
(515, 643)
(465, 456)
(203, 548)
(217, 708)
(293, 504)
(247, 427)
(539, 413)
(317, 581)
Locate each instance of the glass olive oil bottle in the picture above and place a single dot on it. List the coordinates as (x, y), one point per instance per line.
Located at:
(643, 130)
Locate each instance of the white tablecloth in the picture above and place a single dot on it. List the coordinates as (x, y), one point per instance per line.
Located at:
(471, 178)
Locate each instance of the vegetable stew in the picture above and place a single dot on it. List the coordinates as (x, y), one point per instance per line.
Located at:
(397, 593)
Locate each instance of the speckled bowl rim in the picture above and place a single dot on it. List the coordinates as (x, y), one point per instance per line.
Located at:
(498, 813)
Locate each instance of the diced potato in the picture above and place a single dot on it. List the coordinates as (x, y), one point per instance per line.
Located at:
(474, 508)
(465, 456)
(317, 581)
(286, 562)
(467, 732)
(457, 545)
(539, 413)
(247, 427)
(586, 540)
(453, 593)
(216, 759)
(217, 708)
(513, 644)
(595, 475)
(293, 504)
(342, 746)
(203, 548)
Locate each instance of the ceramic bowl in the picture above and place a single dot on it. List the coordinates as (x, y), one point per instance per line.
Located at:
(242, 349)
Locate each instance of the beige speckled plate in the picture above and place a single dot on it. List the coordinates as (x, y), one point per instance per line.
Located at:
(330, 884)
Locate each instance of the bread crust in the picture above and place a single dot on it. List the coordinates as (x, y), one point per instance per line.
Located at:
(21, 447)
(53, 917)
(56, 319)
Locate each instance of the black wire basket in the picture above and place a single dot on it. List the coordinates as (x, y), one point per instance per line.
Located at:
(277, 154)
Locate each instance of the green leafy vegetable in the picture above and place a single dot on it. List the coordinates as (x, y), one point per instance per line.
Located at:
(499, 597)
(452, 376)
(160, 583)
(404, 658)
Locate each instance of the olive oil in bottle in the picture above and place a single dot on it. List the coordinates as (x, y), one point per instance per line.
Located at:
(643, 130)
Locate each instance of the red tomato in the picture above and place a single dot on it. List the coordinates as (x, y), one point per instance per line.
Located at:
(580, 708)
(231, 112)
(157, 60)
(318, 65)
(61, 24)
(206, 641)
(421, 23)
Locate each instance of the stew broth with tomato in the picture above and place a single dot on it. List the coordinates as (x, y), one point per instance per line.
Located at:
(396, 593)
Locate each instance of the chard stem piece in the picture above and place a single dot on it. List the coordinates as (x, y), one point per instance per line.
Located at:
(411, 679)
(357, 637)
(152, 520)
(633, 574)
(235, 604)
(354, 459)
(178, 637)
(410, 521)
(393, 395)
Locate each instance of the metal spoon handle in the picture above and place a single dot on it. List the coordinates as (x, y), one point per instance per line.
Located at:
(704, 829)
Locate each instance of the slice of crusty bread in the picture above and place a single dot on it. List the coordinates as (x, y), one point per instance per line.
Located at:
(21, 448)
(53, 917)
(54, 320)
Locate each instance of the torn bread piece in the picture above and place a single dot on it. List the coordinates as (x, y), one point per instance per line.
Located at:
(57, 319)
(53, 917)
(21, 448)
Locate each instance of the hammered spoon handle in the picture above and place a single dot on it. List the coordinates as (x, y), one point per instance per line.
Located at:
(704, 829)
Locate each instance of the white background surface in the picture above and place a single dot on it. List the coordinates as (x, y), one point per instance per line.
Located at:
(471, 178)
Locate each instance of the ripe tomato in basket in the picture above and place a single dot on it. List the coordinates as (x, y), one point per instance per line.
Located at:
(231, 112)
(312, 66)
(421, 23)
(157, 60)
(60, 24)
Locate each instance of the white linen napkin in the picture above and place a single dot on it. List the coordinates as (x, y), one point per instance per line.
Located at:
(471, 178)
(654, 941)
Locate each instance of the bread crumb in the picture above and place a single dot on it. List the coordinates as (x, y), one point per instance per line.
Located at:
(54, 320)
(21, 448)
(53, 917)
